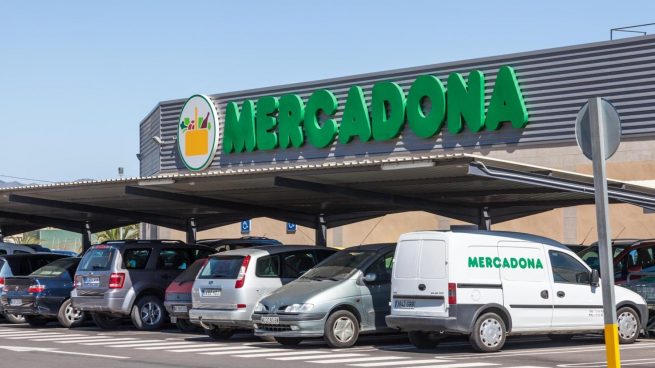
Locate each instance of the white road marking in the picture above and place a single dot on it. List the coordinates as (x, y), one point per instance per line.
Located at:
(232, 350)
(82, 339)
(356, 360)
(541, 351)
(195, 350)
(387, 364)
(32, 336)
(628, 362)
(141, 344)
(55, 351)
(105, 342)
(456, 365)
(237, 351)
(281, 353)
(19, 333)
(320, 356)
(133, 343)
(58, 338)
(179, 345)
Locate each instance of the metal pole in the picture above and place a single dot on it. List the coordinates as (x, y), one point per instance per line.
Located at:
(86, 236)
(191, 230)
(597, 128)
(321, 231)
(484, 220)
(2, 234)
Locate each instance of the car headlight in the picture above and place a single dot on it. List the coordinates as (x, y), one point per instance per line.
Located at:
(299, 308)
(260, 307)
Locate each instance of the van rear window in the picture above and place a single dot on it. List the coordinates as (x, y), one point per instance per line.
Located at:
(225, 267)
(97, 259)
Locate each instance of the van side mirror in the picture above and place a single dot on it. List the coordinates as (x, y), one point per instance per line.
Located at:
(370, 277)
(594, 278)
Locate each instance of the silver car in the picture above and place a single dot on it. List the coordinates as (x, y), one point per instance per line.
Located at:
(345, 295)
(231, 283)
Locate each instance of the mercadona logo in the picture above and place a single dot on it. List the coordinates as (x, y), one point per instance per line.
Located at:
(197, 132)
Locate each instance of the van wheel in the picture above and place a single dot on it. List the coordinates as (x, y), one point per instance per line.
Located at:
(104, 321)
(560, 337)
(36, 321)
(423, 340)
(185, 325)
(488, 334)
(148, 313)
(68, 316)
(629, 325)
(14, 318)
(220, 333)
(288, 341)
(341, 329)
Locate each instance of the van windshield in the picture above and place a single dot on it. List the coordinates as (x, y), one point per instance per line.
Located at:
(225, 267)
(338, 266)
(97, 259)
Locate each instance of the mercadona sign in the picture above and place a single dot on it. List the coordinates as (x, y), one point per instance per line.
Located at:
(287, 122)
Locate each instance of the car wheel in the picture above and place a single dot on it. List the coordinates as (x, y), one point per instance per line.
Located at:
(341, 329)
(14, 318)
(104, 321)
(148, 313)
(560, 337)
(69, 316)
(220, 333)
(424, 340)
(628, 323)
(488, 334)
(288, 341)
(185, 325)
(36, 321)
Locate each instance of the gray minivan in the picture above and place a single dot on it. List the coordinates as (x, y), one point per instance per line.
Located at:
(343, 296)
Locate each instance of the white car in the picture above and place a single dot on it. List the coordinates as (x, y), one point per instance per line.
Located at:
(489, 284)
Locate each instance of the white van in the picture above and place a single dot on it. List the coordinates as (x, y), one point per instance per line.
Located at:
(488, 284)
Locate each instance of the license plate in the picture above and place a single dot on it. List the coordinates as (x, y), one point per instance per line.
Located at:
(15, 302)
(180, 308)
(92, 281)
(211, 292)
(404, 304)
(173, 319)
(271, 320)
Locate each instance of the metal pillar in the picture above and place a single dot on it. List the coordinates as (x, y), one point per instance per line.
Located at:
(484, 219)
(321, 230)
(86, 236)
(191, 230)
(2, 234)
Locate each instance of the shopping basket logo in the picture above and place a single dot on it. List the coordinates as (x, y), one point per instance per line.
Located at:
(197, 134)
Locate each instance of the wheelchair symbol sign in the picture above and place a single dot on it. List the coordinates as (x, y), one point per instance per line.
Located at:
(291, 228)
(246, 226)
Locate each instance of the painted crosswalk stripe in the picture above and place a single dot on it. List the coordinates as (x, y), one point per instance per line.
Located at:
(68, 338)
(179, 345)
(195, 350)
(109, 341)
(14, 330)
(283, 353)
(356, 360)
(232, 350)
(321, 356)
(32, 336)
(227, 352)
(456, 365)
(403, 363)
(141, 344)
(59, 337)
(18, 333)
(81, 339)
(128, 344)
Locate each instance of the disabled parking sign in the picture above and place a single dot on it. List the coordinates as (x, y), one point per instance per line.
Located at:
(291, 228)
(245, 226)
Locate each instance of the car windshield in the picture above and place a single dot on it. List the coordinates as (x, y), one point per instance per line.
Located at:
(56, 268)
(591, 257)
(97, 259)
(338, 266)
(189, 275)
(224, 267)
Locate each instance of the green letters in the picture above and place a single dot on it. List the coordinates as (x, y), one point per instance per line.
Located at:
(530, 262)
(355, 120)
(426, 87)
(473, 262)
(291, 113)
(321, 101)
(387, 110)
(513, 262)
(264, 123)
(539, 265)
(239, 132)
(506, 102)
(505, 263)
(467, 102)
(496, 262)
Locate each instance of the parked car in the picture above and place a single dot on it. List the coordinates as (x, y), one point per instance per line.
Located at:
(590, 254)
(487, 285)
(11, 248)
(232, 283)
(69, 253)
(128, 278)
(222, 245)
(634, 262)
(178, 296)
(21, 265)
(44, 295)
(342, 297)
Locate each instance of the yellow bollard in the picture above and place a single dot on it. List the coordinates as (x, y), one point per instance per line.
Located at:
(612, 346)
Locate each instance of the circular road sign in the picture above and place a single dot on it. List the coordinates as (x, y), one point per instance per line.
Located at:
(612, 124)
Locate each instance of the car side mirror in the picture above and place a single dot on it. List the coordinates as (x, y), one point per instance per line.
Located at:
(370, 277)
(594, 278)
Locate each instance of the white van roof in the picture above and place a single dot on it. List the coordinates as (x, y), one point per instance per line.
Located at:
(468, 233)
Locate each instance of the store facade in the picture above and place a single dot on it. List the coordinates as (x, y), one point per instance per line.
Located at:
(518, 107)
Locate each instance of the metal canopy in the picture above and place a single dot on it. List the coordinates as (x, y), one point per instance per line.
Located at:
(470, 188)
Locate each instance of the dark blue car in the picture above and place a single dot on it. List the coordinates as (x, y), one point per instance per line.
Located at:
(44, 295)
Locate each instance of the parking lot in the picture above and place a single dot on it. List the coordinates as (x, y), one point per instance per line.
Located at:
(88, 346)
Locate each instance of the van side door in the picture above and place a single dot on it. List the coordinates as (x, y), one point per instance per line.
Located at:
(576, 302)
(379, 290)
(527, 288)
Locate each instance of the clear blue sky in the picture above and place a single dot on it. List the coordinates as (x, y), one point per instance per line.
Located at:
(76, 77)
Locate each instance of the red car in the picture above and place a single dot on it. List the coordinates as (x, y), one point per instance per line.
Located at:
(178, 296)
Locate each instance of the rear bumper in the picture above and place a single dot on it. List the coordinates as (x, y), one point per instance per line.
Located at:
(43, 306)
(437, 324)
(236, 318)
(296, 325)
(101, 304)
(170, 308)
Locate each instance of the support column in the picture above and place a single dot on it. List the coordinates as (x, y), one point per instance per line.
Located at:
(2, 234)
(191, 230)
(321, 230)
(484, 219)
(86, 236)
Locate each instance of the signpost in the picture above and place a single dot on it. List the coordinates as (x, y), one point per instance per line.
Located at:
(598, 132)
